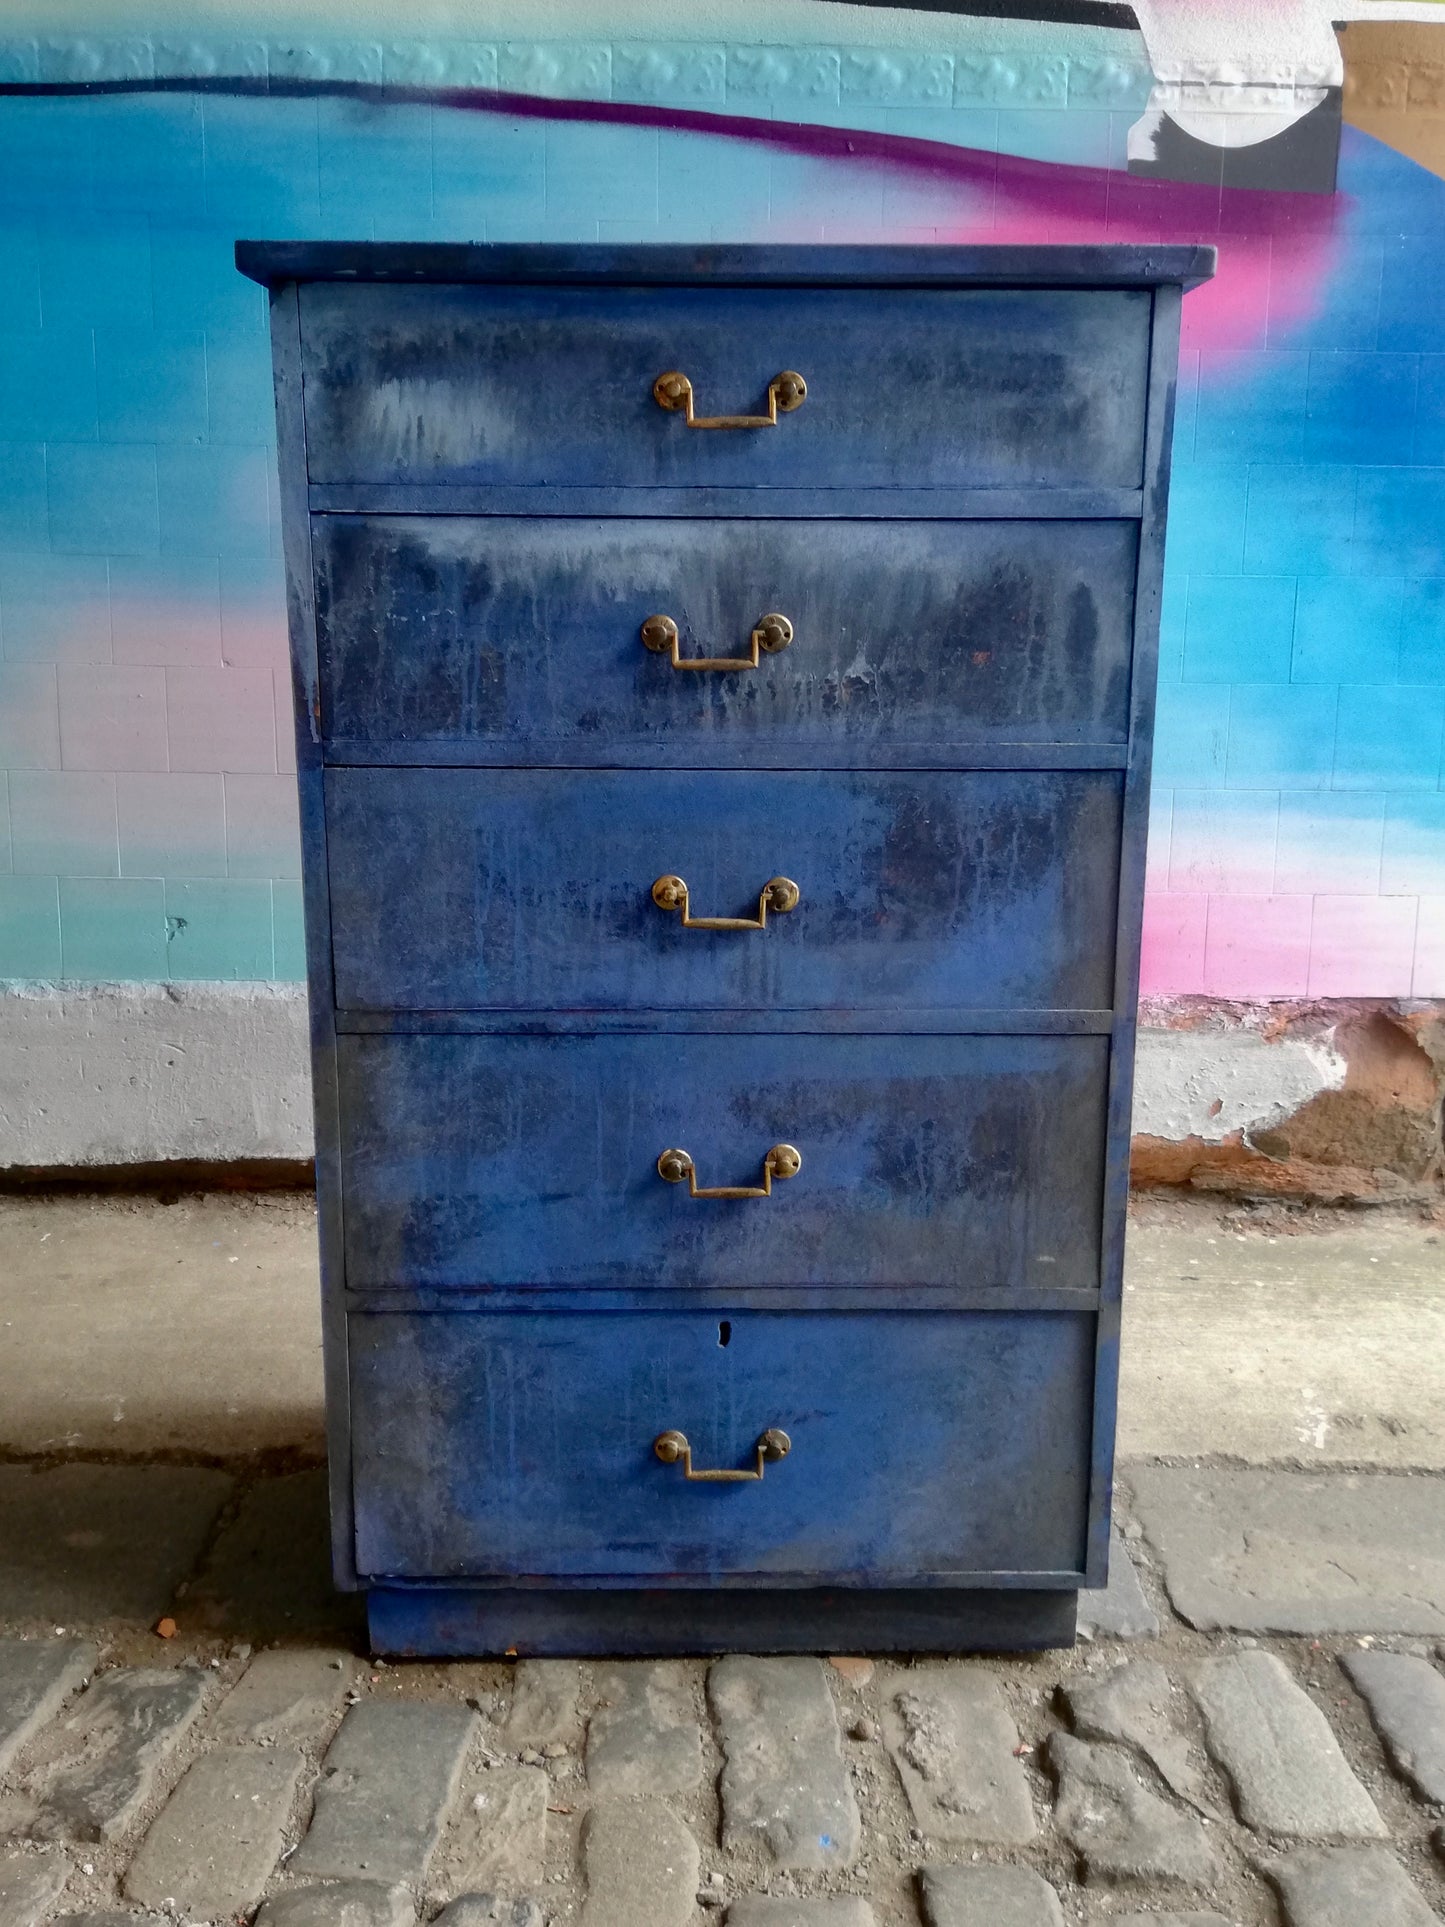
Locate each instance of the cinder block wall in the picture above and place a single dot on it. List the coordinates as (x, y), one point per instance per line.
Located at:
(149, 904)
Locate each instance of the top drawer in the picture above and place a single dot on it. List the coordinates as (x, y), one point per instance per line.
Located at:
(509, 385)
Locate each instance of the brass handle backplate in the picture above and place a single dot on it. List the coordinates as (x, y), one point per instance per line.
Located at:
(672, 1448)
(778, 894)
(673, 391)
(781, 1162)
(659, 634)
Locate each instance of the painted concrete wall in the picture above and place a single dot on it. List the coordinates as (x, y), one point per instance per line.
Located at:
(147, 824)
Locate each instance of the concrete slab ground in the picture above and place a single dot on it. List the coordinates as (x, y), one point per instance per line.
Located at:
(1315, 1338)
(163, 1513)
(132, 1328)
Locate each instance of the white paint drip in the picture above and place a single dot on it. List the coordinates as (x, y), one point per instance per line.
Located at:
(1313, 1426)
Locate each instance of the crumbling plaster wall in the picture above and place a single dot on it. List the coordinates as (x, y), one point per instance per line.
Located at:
(1332, 1100)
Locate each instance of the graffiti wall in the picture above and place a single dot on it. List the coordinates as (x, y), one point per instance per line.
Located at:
(147, 824)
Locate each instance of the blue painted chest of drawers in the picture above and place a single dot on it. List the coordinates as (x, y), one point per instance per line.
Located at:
(723, 684)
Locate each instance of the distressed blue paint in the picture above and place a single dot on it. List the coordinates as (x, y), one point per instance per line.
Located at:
(497, 1445)
(499, 1148)
(525, 889)
(504, 384)
(506, 1160)
(503, 640)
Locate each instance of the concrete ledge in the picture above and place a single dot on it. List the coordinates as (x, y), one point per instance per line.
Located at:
(122, 1074)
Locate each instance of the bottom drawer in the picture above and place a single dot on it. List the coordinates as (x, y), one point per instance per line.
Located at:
(925, 1447)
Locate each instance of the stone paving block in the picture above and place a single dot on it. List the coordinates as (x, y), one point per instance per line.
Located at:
(487, 1910)
(386, 1785)
(122, 1730)
(1170, 1920)
(648, 1739)
(1285, 1765)
(347, 1903)
(37, 1676)
(783, 1910)
(97, 1542)
(544, 1707)
(498, 1842)
(269, 1572)
(1260, 1550)
(30, 1884)
(1120, 1830)
(641, 1864)
(111, 1917)
(1134, 1706)
(784, 1786)
(286, 1694)
(211, 1848)
(1348, 1887)
(1406, 1698)
(988, 1897)
(1120, 1609)
(952, 1740)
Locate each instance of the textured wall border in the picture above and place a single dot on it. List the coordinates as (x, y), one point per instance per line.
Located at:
(683, 74)
(108, 1075)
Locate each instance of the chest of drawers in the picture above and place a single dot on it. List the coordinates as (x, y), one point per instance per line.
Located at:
(723, 848)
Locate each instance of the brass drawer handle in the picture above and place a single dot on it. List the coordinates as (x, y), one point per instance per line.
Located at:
(781, 1162)
(672, 1447)
(673, 391)
(659, 634)
(778, 894)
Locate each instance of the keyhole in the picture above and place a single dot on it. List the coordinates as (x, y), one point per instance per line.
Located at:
(725, 1332)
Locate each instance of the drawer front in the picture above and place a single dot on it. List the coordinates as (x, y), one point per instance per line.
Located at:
(509, 889)
(923, 1445)
(509, 640)
(474, 1161)
(527, 385)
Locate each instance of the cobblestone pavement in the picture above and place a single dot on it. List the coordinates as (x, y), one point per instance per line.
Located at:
(200, 1747)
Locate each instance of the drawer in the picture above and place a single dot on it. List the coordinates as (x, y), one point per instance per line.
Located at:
(923, 1446)
(530, 385)
(506, 640)
(507, 1160)
(509, 889)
